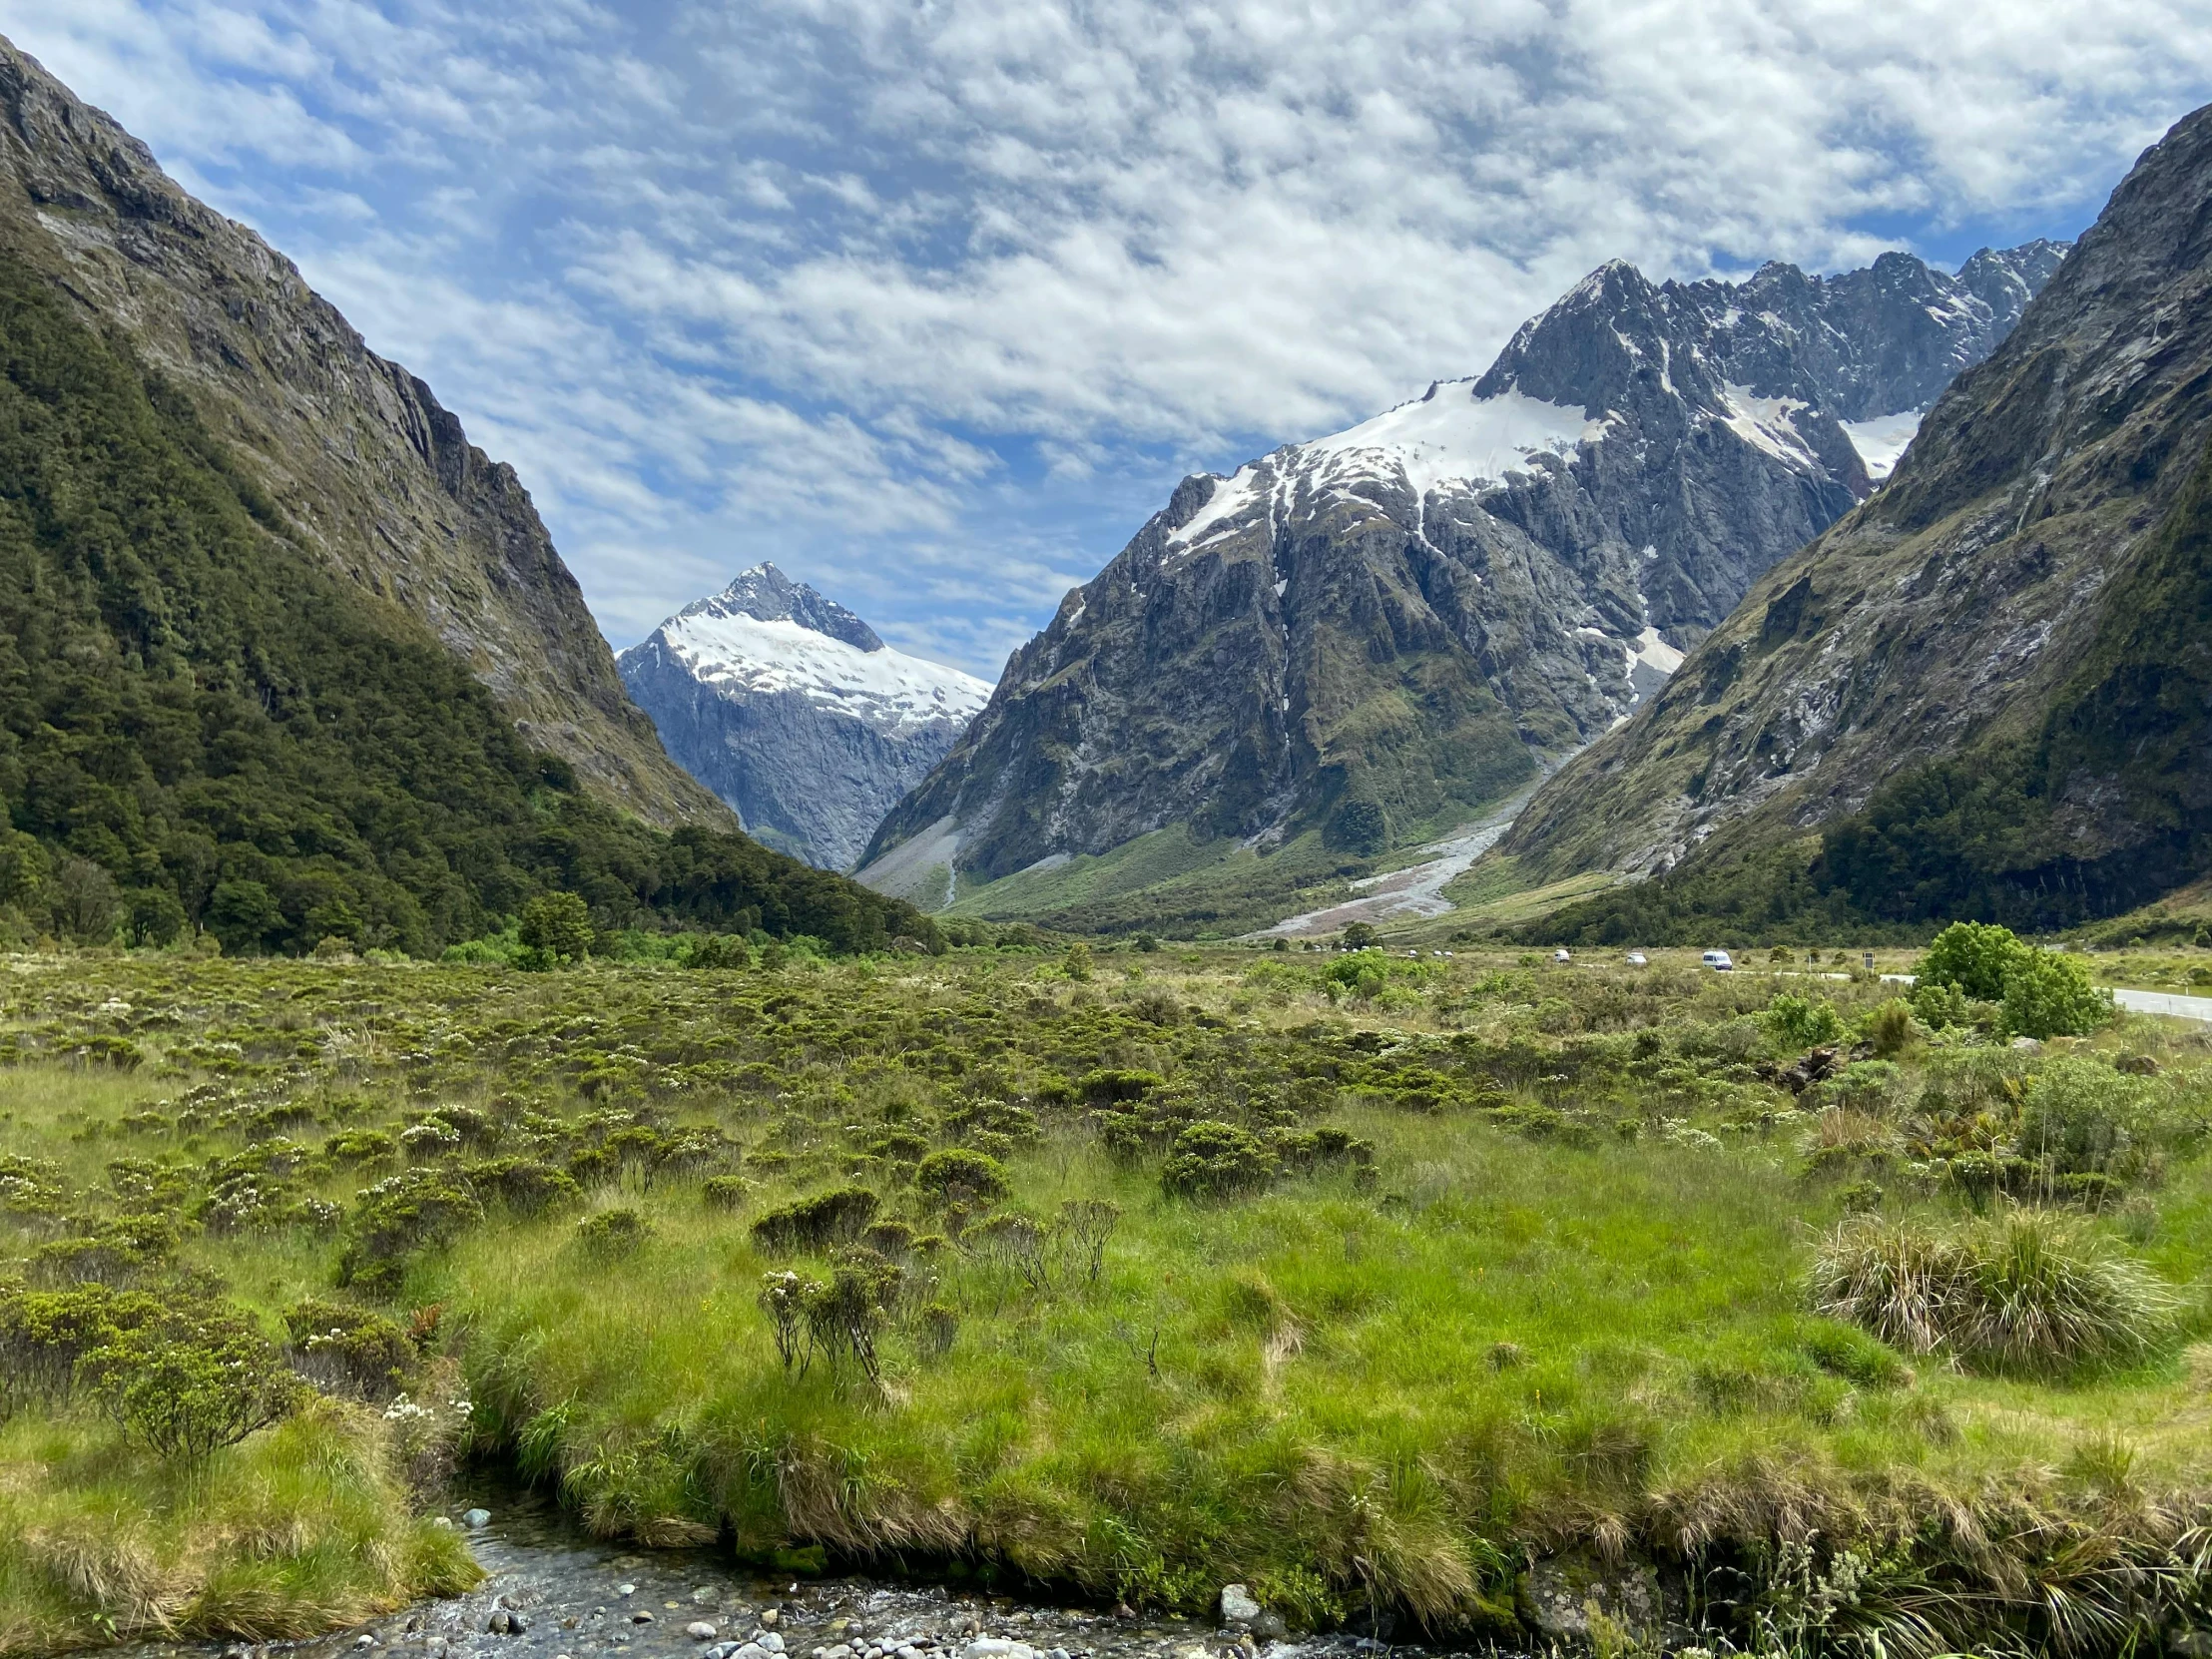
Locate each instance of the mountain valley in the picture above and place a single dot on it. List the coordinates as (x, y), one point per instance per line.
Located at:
(1355, 643)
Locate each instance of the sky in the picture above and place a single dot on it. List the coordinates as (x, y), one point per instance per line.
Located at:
(932, 301)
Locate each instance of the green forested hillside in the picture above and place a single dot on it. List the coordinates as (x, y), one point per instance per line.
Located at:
(203, 726)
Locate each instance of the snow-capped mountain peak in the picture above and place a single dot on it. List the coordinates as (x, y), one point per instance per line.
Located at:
(795, 712)
(765, 633)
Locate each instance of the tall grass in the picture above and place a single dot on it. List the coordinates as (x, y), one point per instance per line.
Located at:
(2030, 1293)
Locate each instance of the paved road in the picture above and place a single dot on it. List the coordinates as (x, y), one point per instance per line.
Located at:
(2165, 1002)
(2140, 1002)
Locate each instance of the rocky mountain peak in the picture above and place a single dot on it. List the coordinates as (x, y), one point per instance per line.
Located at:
(367, 470)
(766, 595)
(1986, 689)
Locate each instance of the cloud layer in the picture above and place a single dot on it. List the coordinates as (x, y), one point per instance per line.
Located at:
(931, 299)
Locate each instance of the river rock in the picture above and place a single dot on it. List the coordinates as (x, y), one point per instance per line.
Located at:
(1560, 1593)
(477, 1519)
(699, 1630)
(1238, 1605)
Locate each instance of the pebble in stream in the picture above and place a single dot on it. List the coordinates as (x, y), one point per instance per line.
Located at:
(553, 1594)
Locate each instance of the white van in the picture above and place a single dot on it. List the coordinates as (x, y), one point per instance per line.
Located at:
(1717, 961)
(1562, 956)
(1636, 958)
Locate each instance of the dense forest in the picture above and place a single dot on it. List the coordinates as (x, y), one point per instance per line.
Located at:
(204, 731)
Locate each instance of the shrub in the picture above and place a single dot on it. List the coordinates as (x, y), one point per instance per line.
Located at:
(360, 1146)
(349, 1349)
(782, 1299)
(31, 1186)
(112, 1252)
(719, 951)
(556, 927)
(960, 1176)
(724, 1192)
(2049, 995)
(2042, 992)
(611, 1235)
(1216, 1160)
(189, 1389)
(817, 1223)
(1974, 958)
(43, 1335)
(418, 1208)
(2033, 1291)
(1889, 1029)
(843, 1316)
(523, 1185)
(1946, 1007)
(1802, 1022)
(1077, 963)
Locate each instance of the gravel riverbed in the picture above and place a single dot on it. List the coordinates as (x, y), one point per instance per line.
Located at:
(552, 1591)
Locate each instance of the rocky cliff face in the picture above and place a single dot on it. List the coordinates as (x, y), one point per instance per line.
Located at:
(363, 465)
(1389, 627)
(791, 709)
(1990, 687)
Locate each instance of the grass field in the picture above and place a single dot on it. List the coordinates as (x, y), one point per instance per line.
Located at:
(1427, 1285)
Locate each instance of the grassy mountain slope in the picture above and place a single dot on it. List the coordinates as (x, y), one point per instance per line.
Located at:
(1986, 692)
(200, 723)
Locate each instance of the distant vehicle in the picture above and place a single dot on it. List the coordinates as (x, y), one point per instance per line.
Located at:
(1636, 958)
(1562, 956)
(1719, 962)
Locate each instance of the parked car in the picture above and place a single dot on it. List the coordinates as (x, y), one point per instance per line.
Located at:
(1719, 962)
(1636, 958)
(1562, 956)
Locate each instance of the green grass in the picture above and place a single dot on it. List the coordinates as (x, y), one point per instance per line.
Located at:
(1562, 1297)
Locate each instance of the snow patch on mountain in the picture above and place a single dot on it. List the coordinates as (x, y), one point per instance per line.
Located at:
(1453, 436)
(885, 687)
(1765, 424)
(1880, 441)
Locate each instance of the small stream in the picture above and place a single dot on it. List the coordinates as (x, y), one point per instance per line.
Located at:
(553, 1591)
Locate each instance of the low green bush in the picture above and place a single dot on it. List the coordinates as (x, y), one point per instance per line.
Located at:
(348, 1349)
(610, 1235)
(1216, 1160)
(726, 1192)
(958, 1175)
(416, 1210)
(817, 1223)
(197, 1381)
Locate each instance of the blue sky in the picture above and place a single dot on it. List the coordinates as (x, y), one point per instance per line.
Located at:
(932, 300)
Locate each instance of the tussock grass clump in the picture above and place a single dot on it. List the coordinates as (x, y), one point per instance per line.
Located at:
(2033, 1291)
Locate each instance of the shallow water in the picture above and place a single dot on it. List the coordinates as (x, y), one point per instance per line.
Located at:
(577, 1596)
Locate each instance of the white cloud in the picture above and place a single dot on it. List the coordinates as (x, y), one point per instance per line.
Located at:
(929, 301)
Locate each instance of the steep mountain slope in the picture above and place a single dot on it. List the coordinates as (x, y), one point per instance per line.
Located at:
(791, 709)
(1386, 629)
(203, 724)
(363, 466)
(1988, 690)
